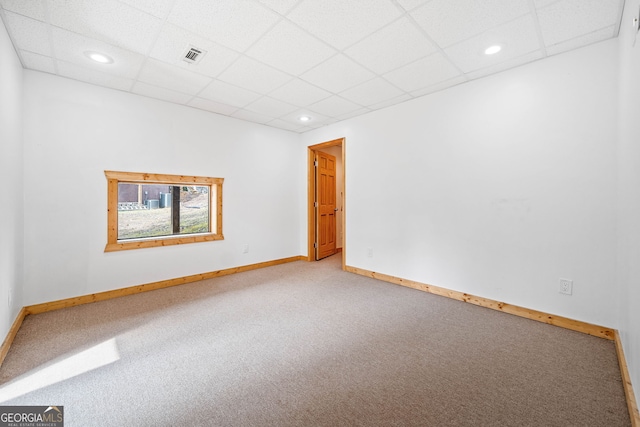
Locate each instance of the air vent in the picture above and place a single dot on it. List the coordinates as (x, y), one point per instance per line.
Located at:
(193, 55)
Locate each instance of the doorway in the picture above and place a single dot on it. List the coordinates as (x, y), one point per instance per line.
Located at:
(320, 221)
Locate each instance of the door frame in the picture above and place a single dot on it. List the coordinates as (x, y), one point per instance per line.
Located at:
(311, 196)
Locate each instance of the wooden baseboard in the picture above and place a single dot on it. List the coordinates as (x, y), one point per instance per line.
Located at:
(574, 325)
(6, 344)
(101, 296)
(626, 382)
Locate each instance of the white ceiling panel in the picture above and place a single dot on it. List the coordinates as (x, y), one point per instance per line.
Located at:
(160, 74)
(294, 118)
(232, 23)
(440, 86)
(271, 107)
(390, 102)
(281, 124)
(372, 92)
(334, 105)
(159, 8)
(212, 106)
(280, 6)
(173, 42)
(107, 20)
(226, 93)
(76, 72)
(32, 8)
(337, 74)
(71, 47)
(423, 73)
(452, 21)
(587, 39)
(300, 93)
(568, 19)
(160, 93)
(29, 34)
(33, 61)
(505, 65)
(253, 75)
(342, 23)
(392, 47)
(411, 4)
(517, 38)
(271, 61)
(290, 49)
(251, 116)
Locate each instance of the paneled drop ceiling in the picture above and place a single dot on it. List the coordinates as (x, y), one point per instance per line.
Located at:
(274, 61)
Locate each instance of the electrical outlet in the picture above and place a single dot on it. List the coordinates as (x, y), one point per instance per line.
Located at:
(10, 297)
(370, 252)
(566, 286)
(245, 249)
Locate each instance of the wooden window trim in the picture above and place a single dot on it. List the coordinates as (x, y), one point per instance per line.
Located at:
(113, 178)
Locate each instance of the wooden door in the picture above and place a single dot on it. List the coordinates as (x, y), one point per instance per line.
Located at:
(325, 205)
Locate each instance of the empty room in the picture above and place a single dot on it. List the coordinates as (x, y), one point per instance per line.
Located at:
(336, 212)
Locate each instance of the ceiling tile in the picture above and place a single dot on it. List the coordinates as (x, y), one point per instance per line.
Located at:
(33, 61)
(452, 21)
(82, 74)
(505, 65)
(342, 23)
(252, 117)
(226, 93)
(411, 4)
(107, 20)
(280, 6)
(270, 107)
(232, 23)
(372, 92)
(160, 93)
(70, 47)
(281, 124)
(33, 8)
(212, 106)
(594, 37)
(173, 42)
(390, 102)
(353, 114)
(300, 93)
(423, 73)
(392, 47)
(440, 86)
(294, 118)
(337, 74)
(334, 106)
(171, 77)
(518, 38)
(254, 75)
(29, 34)
(159, 8)
(568, 19)
(290, 49)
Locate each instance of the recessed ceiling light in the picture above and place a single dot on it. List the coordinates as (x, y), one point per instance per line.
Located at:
(304, 118)
(99, 57)
(492, 50)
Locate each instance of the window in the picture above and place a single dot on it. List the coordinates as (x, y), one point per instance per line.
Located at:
(146, 210)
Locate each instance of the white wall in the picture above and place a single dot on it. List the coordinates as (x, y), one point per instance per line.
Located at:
(498, 187)
(629, 192)
(75, 131)
(11, 167)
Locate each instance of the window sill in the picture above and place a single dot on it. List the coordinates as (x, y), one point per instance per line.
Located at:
(123, 245)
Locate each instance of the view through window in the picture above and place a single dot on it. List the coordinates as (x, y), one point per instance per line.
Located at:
(158, 210)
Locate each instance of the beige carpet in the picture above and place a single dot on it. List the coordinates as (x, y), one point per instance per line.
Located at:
(305, 344)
